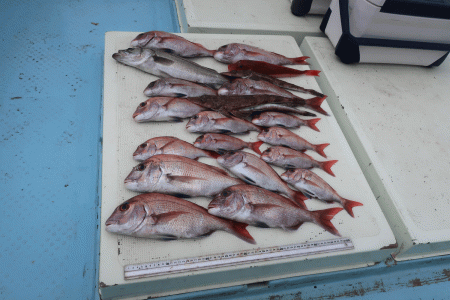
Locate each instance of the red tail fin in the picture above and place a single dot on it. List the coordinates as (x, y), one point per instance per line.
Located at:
(319, 149)
(212, 154)
(326, 166)
(315, 103)
(255, 146)
(312, 72)
(300, 60)
(238, 229)
(312, 124)
(323, 218)
(349, 204)
(299, 198)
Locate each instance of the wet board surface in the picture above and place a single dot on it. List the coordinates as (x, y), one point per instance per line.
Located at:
(397, 119)
(123, 91)
(246, 17)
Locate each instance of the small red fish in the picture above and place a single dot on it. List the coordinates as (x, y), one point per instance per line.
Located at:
(269, 69)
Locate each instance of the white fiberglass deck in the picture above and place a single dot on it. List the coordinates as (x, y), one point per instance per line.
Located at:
(123, 91)
(397, 121)
(246, 17)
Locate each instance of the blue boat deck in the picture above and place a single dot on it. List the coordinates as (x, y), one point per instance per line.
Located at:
(50, 143)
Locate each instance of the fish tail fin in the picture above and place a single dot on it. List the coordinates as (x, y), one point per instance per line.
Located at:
(212, 154)
(319, 149)
(323, 219)
(349, 204)
(326, 166)
(312, 124)
(315, 103)
(238, 229)
(255, 146)
(300, 60)
(312, 72)
(299, 198)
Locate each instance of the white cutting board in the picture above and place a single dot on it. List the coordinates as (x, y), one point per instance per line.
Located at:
(123, 91)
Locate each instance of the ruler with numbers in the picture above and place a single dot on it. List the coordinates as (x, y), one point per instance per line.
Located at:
(235, 258)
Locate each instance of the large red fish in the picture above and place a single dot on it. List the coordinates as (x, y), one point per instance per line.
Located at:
(164, 40)
(165, 217)
(235, 52)
(269, 69)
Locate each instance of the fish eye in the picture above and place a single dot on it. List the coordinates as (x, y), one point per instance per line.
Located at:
(226, 193)
(124, 207)
(140, 167)
(142, 104)
(195, 117)
(265, 130)
(143, 145)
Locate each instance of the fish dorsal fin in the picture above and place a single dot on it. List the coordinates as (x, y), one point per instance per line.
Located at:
(162, 60)
(166, 217)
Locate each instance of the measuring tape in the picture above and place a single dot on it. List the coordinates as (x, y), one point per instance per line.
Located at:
(235, 258)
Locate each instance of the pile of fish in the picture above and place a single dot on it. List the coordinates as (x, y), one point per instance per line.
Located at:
(218, 105)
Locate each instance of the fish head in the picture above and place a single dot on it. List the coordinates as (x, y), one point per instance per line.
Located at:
(271, 154)
(146, 110)
(155, 88)
(146, 39)
(227, 53)
(264, 118)
(292, 176)
(231, 159)
(133, 56)
(197, 122)
(145, 150)
(227, 204)
(204, 141)
(268, 134)
(127, 217)
(225, 89)
(144, 176)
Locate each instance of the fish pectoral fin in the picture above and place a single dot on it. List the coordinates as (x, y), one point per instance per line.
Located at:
(253, 169)
(167, 217)
(162, 60)
(261, 225)
(180, 95)
(308, 194)
(261, 209)
(185, 179)
(217, 169)
(170, 51)
(248, 179)
(251, 53)
(167, 237)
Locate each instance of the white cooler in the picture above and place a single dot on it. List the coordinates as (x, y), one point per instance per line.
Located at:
(303, 7)
(414, 32)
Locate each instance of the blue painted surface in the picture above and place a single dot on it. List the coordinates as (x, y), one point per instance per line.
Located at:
(50, 145)
(51, 85)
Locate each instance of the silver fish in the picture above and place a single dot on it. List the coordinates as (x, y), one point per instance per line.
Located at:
(259, 207)
(165, 109)
(179, 176)
(211, 121)
(221, 143)
(283, 137)
(163, 64)
(253, 170)
(316, 187)
(165, 217)
(235, 52)
(270, 119)
(170, 145)
(174, 87)
(291, 159)
(164, 40)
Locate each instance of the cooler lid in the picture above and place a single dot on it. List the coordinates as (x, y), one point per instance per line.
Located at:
(437, 9)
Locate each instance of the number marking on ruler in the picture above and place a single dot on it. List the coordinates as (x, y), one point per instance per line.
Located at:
(235, 258)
